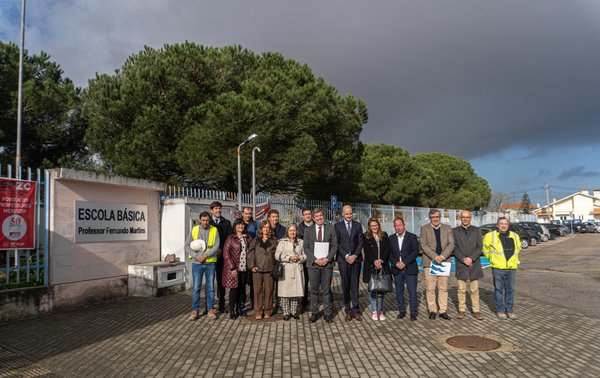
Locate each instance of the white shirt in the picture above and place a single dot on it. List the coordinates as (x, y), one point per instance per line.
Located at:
(400, 240)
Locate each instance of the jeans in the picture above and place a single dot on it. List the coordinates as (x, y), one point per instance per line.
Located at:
(411, 282)
(373, 300)
(504, 289)
(198, 270)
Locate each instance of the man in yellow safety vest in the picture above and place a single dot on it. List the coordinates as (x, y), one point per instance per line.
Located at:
(203, 263)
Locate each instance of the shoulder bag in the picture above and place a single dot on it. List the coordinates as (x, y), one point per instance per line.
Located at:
(380, 282)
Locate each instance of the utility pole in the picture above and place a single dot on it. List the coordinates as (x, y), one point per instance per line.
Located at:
(546, 188)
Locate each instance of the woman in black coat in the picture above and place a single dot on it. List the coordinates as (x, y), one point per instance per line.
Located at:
(376, 247)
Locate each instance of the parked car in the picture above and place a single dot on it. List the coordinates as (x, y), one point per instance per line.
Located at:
(589, 227)
(542, 230)
(523, 234)
(574, 225)
(554, 229)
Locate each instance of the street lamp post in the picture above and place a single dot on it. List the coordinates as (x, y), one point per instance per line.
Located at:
(239, 163)
(254, 181)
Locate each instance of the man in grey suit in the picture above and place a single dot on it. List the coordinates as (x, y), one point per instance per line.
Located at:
(320, 270)
(437, 243)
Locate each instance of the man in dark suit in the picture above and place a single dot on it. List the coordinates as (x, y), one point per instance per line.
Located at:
(225, 229)
(349, 234)
(404, 251)
(320, 268)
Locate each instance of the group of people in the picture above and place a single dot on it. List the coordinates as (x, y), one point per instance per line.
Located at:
(289, 267)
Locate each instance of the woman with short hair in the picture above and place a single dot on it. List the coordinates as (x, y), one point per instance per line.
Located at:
(235, 270)
(290, 287)
(261, 260)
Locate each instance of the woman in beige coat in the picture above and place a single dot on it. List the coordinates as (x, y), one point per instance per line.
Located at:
(291, 286)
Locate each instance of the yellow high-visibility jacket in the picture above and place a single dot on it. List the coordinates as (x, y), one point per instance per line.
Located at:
(212, 238)
(493, 250)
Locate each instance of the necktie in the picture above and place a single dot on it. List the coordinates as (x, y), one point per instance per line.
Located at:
(349, 227)
(320, 234)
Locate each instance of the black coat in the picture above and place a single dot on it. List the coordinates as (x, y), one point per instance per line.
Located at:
(370, 250)
(468, 244)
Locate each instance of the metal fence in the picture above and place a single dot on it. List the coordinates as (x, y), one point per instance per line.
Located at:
(290, 209)
(28, 267)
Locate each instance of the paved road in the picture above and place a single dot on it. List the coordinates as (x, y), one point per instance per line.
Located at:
(564, 273)
(152, 337)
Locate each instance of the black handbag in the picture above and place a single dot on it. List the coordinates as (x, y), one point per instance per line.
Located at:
(277, 272)
(380, 282)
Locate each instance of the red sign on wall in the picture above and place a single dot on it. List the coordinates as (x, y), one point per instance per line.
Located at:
(17, 214)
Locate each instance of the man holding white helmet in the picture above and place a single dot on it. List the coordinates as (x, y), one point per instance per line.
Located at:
(204, 261)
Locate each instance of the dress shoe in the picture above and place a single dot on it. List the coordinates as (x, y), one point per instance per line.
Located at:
(445, 316)
(314, 318)
(461, 315)
(357, 316)
(413, 317)
(401, 315)
(431, 315)
(329, 318)
(477, 315)
(348, 317)
(286, 317)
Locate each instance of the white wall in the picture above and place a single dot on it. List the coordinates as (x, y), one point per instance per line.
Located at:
(89, 272)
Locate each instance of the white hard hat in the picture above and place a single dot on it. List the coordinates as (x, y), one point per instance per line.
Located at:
(198, 245)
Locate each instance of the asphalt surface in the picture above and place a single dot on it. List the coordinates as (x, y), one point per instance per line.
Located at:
(564, 272)
(555, 335)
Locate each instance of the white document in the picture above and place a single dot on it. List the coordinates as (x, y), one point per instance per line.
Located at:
(442, 269)
(321, 249)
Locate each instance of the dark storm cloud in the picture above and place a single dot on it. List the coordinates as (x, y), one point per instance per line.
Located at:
(576, 171)
(464, 77)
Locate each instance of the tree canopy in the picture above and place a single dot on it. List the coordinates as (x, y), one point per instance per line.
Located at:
(392, 176)
(177, 114)
(52, 127)
(526, 204)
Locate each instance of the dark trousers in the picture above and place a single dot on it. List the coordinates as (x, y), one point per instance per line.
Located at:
(320, 278)
(220, 288)
(306, 291)
(350, 274)
(235, 294)
(411, 281)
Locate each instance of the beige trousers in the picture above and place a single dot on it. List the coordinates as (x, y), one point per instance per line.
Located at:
(462, 295)
(442, 297)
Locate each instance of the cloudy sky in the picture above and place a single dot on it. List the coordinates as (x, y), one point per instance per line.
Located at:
(513, 86)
